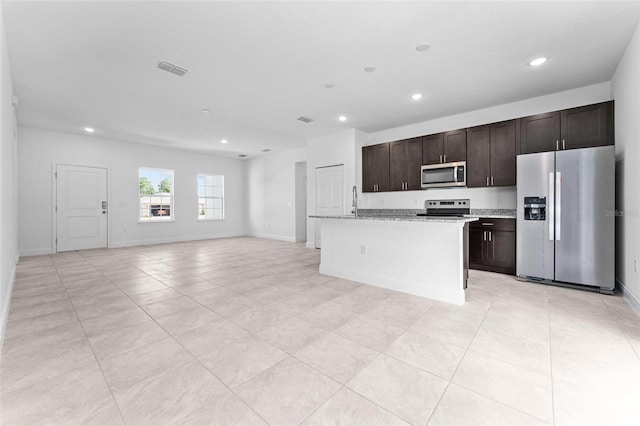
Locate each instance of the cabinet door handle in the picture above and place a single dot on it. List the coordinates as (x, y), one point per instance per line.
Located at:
(484, 235)
(487, 180)
(487, 224)
(489, 236)
(491, 180)
(445, 158)
(557, 145)
(440, 158)
(563, 147)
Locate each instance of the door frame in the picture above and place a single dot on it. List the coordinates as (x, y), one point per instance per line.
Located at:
(54, 198)
(317, 227)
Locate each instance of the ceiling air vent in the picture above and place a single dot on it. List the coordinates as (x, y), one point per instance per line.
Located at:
(265, 150)
(305, 119)
(172, 68)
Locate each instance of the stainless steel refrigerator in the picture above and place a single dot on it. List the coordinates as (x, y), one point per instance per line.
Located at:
(566, 217)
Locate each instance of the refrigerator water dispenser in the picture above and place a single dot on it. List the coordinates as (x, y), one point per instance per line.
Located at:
(535, 208)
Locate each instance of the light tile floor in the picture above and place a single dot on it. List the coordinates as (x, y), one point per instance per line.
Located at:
(246, 331)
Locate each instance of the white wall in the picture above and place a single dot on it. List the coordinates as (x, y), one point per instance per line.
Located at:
(626, 92)
(331, 150)
(8, 182)
(480, 197)
(270, 195)
(39, 149)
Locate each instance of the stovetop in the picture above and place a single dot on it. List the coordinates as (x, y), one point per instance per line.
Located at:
(448, 208)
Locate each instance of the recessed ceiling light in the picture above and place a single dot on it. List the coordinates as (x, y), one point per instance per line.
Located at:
(369, 69)
(265, 150)
(89, 129)
(422, 47)
(537, 62)
(329, 85)
(342, 118)
(206, 110)
(224, 141)
(416, 96)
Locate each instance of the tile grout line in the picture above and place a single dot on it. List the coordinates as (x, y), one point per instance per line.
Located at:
(461, 359)
(113, 398)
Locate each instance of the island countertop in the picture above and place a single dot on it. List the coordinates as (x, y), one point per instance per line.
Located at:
(401, 213)
(403, 218)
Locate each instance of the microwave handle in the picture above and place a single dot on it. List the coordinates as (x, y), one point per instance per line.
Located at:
(455, 173)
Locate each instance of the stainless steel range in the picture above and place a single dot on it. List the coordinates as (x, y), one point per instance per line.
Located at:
(446, 208)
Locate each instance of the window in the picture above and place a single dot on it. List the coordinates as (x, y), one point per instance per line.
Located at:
(210, 197)
(156, 194)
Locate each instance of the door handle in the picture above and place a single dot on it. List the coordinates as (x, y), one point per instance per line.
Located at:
(563, 147)
(487, 224)
(104, 212)
(552, 205)
(484, 235)
(557, 145)
(104, 204)
(489, 236)
(558, 205)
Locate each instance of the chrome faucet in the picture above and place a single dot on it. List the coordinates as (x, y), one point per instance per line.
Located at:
(354, 203)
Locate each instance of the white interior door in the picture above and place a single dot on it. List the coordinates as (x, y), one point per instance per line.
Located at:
(329, 194)
(81, 207)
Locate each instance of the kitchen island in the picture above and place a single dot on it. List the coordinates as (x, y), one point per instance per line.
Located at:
(423, 256)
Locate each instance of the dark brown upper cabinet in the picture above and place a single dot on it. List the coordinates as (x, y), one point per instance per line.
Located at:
(491, 154)
(581, 127)
(504, 143)
(540, 133)
(478, 156)
(445, 147)
(375, 168)
(587, 126)
(405, 159)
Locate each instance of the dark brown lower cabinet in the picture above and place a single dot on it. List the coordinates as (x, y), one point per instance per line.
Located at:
(492, 245)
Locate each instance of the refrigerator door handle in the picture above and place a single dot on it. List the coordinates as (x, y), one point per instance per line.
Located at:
(558, 205)
(552, 207)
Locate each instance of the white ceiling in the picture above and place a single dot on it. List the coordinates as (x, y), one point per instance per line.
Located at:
(260, 65)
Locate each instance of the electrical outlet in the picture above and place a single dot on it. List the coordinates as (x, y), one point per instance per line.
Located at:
(363, 249)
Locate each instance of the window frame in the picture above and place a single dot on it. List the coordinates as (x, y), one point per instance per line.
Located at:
(157, 219)
(221, 197)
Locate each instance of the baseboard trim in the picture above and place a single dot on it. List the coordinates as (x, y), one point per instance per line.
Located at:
(4, 315)
(272, 237)
(134, 243)
(429, 291)
(629, 297)
(310, 245)
(36, 252)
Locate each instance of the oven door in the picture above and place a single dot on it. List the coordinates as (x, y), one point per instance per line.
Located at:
(444, 175)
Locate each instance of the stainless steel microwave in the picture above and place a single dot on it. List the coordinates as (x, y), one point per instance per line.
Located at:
(444, 175)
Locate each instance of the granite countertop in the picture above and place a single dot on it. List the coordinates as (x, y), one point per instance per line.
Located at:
(410, 215)
(401, 218)
(489, 213)
(495, 213)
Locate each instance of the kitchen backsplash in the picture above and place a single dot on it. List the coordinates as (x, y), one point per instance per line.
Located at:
(481, 198)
